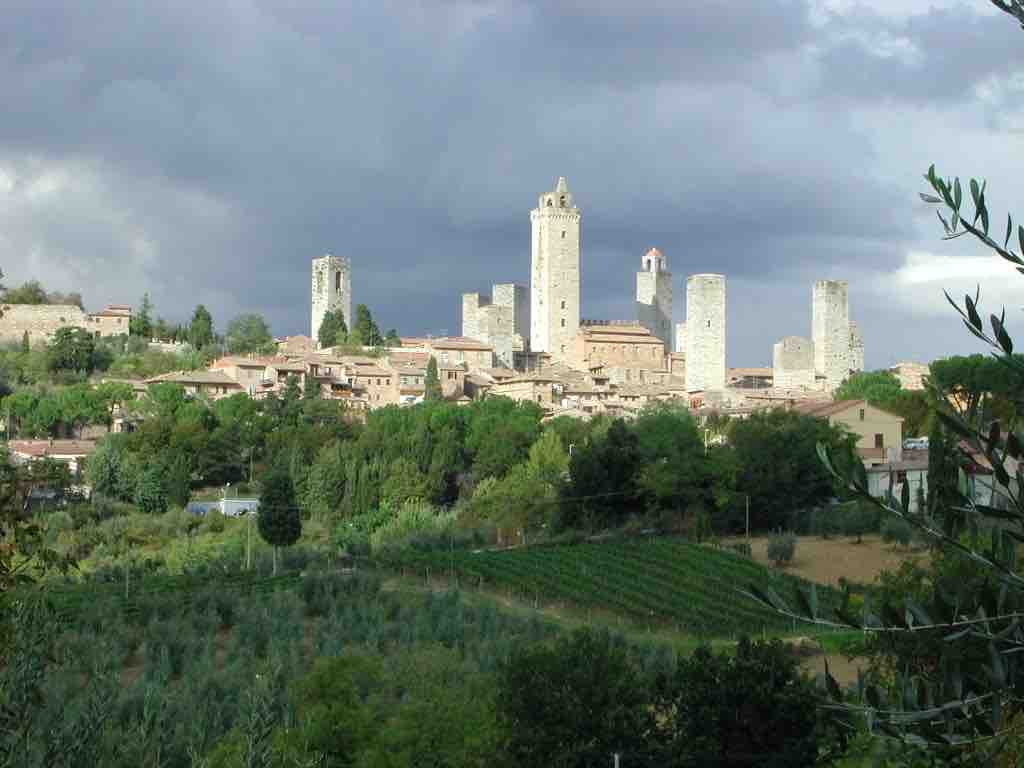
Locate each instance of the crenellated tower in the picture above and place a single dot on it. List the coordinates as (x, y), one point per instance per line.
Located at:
(555, 272)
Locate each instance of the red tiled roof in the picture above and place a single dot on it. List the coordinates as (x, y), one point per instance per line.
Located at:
(39, 448)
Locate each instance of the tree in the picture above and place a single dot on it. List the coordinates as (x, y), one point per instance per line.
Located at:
(392, 339)
(72, 349)
(141, 323)
(751, 708)
(333, 329)
(200, 329)
(432, 382)
(574, 703)
(366, 327)
(951, 635)
(248, 333)
(603, 474)
(310, 388)
(877, 387)
(794, 478)
(26, 346)
(151, 491)
(30, 292)
(279, 521)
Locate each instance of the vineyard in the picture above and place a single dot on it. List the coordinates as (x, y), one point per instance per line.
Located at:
(665, 581)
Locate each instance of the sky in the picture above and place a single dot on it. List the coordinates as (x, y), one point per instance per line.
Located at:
(206, 152)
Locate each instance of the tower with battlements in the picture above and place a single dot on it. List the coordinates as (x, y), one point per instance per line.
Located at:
(331, 290)
(554, 272)
(654, 296)
(830, 325)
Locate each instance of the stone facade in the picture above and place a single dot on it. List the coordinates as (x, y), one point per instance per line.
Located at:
(555, 272)
(831, 331)
(41, 321)
(705, 332)
(499, 320)
(911, 375)
(856, 348)
(654, 296)
(616, 345)
(680, 346)
(793, 363)
(331, 290)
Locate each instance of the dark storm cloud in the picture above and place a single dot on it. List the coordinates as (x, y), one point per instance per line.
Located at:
(208, 151)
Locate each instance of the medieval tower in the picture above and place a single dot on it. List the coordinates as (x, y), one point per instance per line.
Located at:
(554, 272)
(332, 290)
(654, 296)
(705, 332)
(831, 331)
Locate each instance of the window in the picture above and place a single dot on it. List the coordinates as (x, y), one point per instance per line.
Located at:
(563, 234)
(563, 303)
(879, 441)
(862, 414)
(709, 323)
(337, 280)
(563, 347)
(561, 201)
(563, 322)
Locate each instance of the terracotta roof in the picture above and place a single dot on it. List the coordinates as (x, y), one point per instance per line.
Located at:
(401, 356)
(289, 367)
(764, 372)
(367, 370)
(245, 362)
(498, 373)
(39, 448)
(196, 377)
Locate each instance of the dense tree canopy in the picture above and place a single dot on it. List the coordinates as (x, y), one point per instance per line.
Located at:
(248, 333)
(200, 329)
(332, 330)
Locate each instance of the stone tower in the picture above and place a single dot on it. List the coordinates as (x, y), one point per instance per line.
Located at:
(856, 348)
(705, 332)
(831, 331)
(332, 289)
(501, 320)
(555, 272)
(654, 296)
(793, 363)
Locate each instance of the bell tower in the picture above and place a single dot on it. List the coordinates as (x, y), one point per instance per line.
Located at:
(555, 271)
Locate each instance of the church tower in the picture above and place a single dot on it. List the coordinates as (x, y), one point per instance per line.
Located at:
(654, 296)
(331, 290)
(555, 272)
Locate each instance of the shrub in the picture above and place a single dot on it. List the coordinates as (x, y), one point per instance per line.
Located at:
(896, 530)
(781, 549)
(860, 518)
(215, 521)
(742, 548)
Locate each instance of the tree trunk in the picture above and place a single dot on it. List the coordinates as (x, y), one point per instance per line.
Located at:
(275, 560)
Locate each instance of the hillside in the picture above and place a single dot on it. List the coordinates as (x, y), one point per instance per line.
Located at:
(670, 582)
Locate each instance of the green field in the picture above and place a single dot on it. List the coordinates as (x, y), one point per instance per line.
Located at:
(669, 582)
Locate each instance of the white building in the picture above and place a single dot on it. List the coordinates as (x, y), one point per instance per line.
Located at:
(331, 290)
(705, 332)
(554, 272)
(654, 296)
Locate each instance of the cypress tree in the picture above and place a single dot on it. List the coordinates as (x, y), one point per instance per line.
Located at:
(279, 521)
(432, 382)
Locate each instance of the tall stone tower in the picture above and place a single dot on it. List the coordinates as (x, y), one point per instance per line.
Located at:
(856, 348)
(705, 332)
(831, 331)
(555, 272)
(332, 290)
(654, 296)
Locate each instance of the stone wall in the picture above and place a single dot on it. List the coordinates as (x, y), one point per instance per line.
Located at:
(705, 332)
(680, 338)
(654, 296)
(831, 331)
(554, 272)
(42, 320)
(331, 290)
(856, 347)
(793, 363)
(471, 305)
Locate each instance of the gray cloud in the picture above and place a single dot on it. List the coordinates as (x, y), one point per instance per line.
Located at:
(208, 152)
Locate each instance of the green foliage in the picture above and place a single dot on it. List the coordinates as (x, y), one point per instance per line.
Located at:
(432, 381)
(794, 478)
(333, 330)
(896, 531)
(364, 328)
(151, 491)
(141, 323)
(882, 389)
(279, 521)
(573, 704)
(748, 708)
(72, 349)
(248, 333)
(782, 548)
(859, 518)
(200, 329)
(602, 479)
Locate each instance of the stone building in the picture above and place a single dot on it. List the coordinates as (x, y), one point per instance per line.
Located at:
(500, 320)
(331, 290)
(856, 348)
(625, 351)
(910, 375)
(554, 271)
(41, 321)
(453, 350)
(680, 346)
(831, 331)
(654, 296)
(705, 332)
(793, 363)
